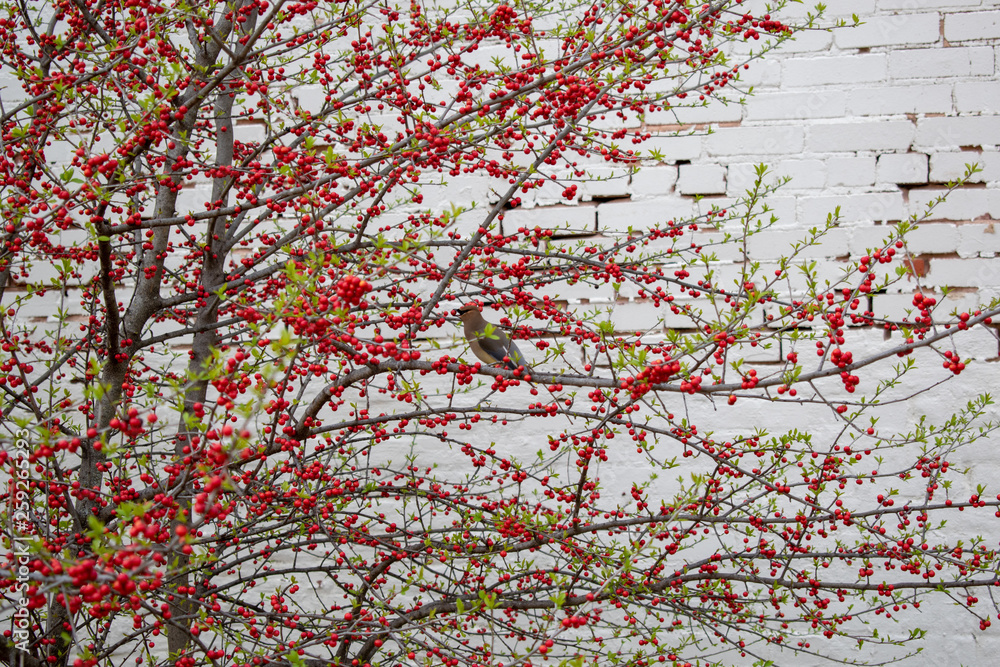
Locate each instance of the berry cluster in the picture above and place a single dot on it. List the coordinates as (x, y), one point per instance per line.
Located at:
(352, 289)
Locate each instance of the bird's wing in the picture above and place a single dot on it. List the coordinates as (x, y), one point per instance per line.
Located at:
(497, 345)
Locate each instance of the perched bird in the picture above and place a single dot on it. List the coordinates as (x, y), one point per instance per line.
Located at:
(488, 342)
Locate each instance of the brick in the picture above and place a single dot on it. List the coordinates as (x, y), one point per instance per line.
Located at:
(577, 292)
(966, 26)
(806, 41)
(777, 243)
(673, 148)
(457, 191)
(701, 179)
(962, 204)
(863, 238)
(48, 306)
(862, 136)
(955, 131)
(977, 97)
(620, 216)
(680, 319)
(761, 73)
(310, 97)
(192, 199)
(866, 68)
(906, 168)
(567, 219)
(946, 167)
(850, 171)
(713, 111)
(863, 207)
(933, 238)
(633, 316)
(608, 182)
(795, 105)
(250, 132)
(893, 307)
(550, 193)
(976, 240)
(713, 244)
(653, 181)
(887, 100)
(11, 90)
(910, 5)
(975, 272)
(780, 210)
(890, 29)
(804, 174)
(755, 140)
(941, 62)
(842, 9)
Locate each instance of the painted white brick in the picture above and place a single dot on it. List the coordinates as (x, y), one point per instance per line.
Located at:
(844, 8)
(247, 132)
(610, 182)
(780, 210)
(620, 216)
(713, 244)
(799, 72)
(956, 131)
(713, 111)
(941, 62)
(786, 106)
(673, 148)
(192, 199)
(806, 41)
(977, 97)
(962, 204)
(641, 316)
(973, 272)
(965, 26)
(978, 239)
(804, 174)
(893, 307)
(755, 140)
(862, 207)
(761, 73)
(935, 238)
(906, 168)
(946, 167)
(776, 243)
(653, 181)
(11, 90)
(910, 5)
(850, 171)
(457, 191)
(577, 292)
(310, 97)
(890, 29)
(886, 100)
(701, 179)
(862, 239)
(863, 136)
(571, 219)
